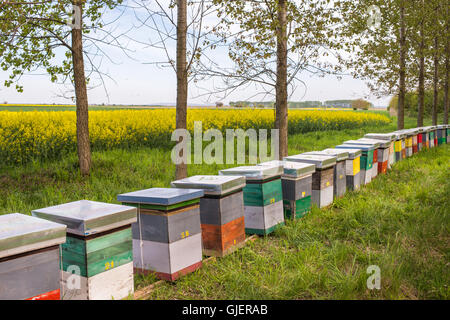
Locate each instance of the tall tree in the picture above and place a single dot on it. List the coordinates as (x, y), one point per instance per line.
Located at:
(402, 71)
(377, 35)
(182, 24)
(281, 96)
(182, 79)
(32, 34)
(270, 44)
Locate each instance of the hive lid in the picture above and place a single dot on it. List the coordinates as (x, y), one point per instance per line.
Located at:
(399, 135)
(361, 147)
(408, 132)
(258, 172)
(21, 233)
(213, 185)
(161, 196)
(321, 161)
(429, 128)
(383, 143)
(425, 129)
(380, 136)
(86, 217)
(442, 126)
(364, 142)
(340, 154)
(293, 169)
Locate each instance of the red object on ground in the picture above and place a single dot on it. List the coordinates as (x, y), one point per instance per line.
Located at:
(52, 295)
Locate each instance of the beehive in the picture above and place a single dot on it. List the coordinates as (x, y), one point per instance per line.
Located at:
(366, 160)
(221, 212)
(383, 153)
(399, 146)
(376, 146)
(98, 249)
(418, 140)
(29, 257)
(322, 178)
(442, 134)
(339, 176)
(385, 137)
(296, 183)
(435, 136)
(263, 197)
(431, 136)
(167, 236)
(409, 137)
(425, 137)
(448, 133)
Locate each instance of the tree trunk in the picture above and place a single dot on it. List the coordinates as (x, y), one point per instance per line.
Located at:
(402, 73)
(281, 119)
(182, 81)
(421, 97)
(435, 82)
(83, 145)
(446, 100)
(447, 69)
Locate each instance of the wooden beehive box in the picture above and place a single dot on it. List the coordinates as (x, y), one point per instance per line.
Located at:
(441, 134)
(399, 145)
(352, 168)
(431, 136)
(297, 188)
(98, 249)
(366, 160)
(322, 178)
(167, 236)
(263, 197)
(376, 146)
(419, 139)
(382, 154)
(339, 175)
(447, 133)
(29, 257)
(221, 212)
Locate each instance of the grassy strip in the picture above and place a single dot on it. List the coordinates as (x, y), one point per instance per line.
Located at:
(399, 222)
(45, 183)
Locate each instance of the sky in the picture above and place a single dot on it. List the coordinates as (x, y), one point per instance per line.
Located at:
(136, 80)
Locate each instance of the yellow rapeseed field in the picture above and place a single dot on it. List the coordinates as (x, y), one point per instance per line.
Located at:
(40, 134)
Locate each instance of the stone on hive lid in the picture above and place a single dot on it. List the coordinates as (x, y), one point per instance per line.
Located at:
(362, 147)
(340, 154)
(321, 161)
(86, 217)
(352, 153)
(21, 233)
(399, 135)
(380, 136)
(364, 142)
(160, 196)
(383, 144)
(254, 172)
(212, 184)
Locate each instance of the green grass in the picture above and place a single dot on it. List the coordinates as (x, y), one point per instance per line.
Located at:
(399, 222)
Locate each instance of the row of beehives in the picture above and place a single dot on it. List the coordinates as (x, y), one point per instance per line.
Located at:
(90, 250)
